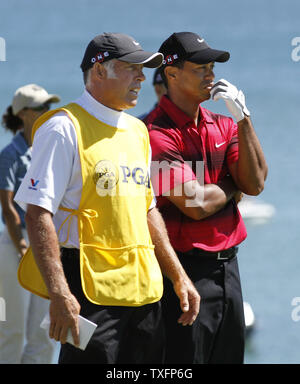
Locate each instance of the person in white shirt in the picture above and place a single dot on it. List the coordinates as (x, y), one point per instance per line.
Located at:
(58, 136)
(112, 67)
(22, 341)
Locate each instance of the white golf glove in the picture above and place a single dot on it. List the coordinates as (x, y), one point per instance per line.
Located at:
(234, 99)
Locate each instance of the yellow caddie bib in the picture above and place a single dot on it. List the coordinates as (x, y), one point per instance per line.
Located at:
(117, 261)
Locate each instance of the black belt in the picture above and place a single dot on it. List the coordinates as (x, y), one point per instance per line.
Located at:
(225, 255)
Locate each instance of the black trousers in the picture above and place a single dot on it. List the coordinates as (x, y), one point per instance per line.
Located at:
(217, 336)
(124, 335)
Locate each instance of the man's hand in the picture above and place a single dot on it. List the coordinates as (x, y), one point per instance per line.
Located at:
(189, 300)
(234, 99)
(64, 311)
(22, 248)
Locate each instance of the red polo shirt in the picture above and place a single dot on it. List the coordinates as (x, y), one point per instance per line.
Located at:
(176, 140)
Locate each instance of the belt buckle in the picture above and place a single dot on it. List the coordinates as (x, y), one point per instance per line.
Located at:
(221, 258)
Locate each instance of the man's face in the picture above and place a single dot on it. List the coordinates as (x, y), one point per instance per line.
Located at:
(121, 91)
(195, 80)
(30, 115)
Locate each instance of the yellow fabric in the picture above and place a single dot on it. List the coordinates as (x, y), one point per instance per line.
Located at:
(117, 261)
(84, 213)
(30, 277)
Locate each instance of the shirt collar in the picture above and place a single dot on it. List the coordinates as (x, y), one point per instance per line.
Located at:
(99, 111)
(20, 143)
(178, 116)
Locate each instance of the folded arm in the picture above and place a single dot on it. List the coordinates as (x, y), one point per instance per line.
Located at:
(200, 201)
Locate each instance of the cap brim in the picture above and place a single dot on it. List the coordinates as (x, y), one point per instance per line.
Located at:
(53, 99)
(48, 99)
(149, 59)
(207, 55)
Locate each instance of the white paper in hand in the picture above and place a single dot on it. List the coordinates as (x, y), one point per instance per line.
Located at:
(86, 330)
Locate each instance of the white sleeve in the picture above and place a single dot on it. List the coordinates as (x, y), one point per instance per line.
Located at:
(50, 170)
(153, 202)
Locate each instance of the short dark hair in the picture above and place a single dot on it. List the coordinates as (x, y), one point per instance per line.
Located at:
(179, 64)
(11, 122)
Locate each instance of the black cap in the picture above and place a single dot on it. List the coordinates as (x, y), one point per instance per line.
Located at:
(157, 79)
(118, 46)
(191, 47)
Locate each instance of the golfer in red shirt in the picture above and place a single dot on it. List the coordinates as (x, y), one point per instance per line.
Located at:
(211, 159)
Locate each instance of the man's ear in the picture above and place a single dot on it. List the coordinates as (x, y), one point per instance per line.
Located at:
(99, 70)
(171, 73)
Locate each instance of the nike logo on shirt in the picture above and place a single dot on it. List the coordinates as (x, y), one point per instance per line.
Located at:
(220, 145)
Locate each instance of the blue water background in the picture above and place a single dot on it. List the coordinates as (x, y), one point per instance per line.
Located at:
(45, 41)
